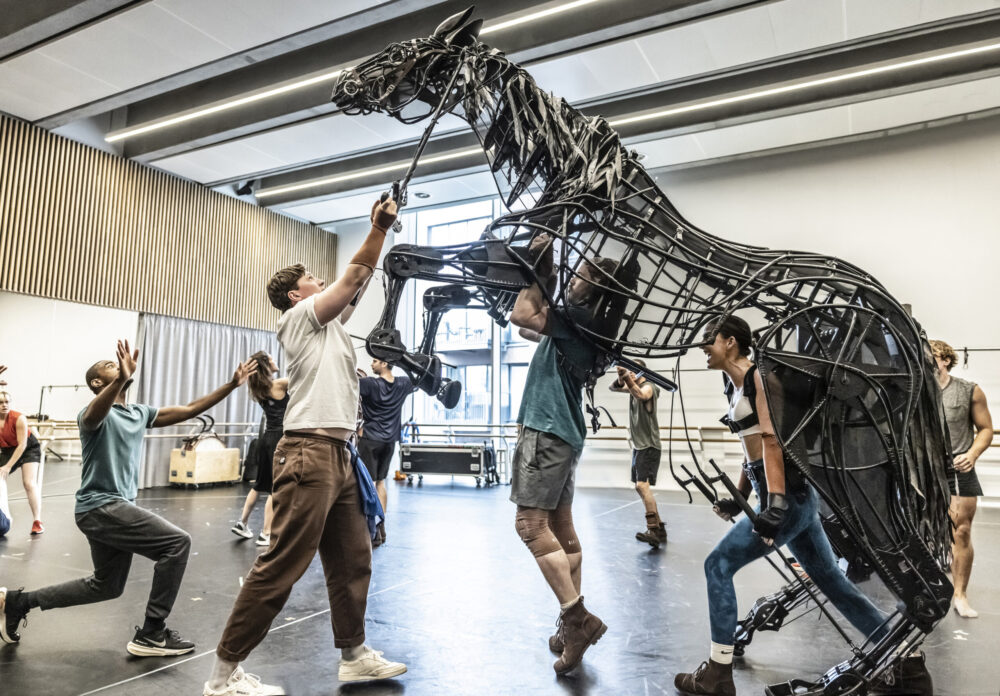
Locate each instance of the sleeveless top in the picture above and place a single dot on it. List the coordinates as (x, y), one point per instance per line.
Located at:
(742, 415)
(643, 424)
(274, 413)
(8, 434)
(957, 400)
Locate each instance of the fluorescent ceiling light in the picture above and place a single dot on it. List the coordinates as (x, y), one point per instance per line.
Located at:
(804, 85)
(115, 136)
(397, 166)
(224, 106)
(536, 16)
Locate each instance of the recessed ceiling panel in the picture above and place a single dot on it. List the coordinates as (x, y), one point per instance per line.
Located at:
(242, 24)
(744, 36)
(136, 47)
(154, 40)
(33, 85)
(677, 53)
(356, 205)
(930, 104)
(310, 141)
(799, 25)
(225, 161)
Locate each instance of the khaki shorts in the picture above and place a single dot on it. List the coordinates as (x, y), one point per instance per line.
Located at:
(544, 470)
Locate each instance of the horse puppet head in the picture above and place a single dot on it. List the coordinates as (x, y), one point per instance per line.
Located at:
(410, 80)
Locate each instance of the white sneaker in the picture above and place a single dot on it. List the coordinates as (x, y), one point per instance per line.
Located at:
(240, 529)
(369, 667)
(263, 539)
(241, 683)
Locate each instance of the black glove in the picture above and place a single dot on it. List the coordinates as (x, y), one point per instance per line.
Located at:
(726, 508)
(769, 522)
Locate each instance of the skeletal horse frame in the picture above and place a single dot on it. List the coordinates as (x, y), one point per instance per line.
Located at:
(847, 373)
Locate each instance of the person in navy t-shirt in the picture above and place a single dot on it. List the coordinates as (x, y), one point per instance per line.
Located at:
(382, 398)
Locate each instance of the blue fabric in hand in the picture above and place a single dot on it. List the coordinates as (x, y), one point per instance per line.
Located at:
(371, 508)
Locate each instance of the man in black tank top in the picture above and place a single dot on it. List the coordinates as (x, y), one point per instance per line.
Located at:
(971, 428)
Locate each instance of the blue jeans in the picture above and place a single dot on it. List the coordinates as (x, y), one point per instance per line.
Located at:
(803, 533)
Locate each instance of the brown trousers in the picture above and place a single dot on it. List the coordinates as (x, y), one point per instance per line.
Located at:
(316, 506)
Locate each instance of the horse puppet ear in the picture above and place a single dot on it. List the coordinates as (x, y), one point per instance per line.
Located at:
(460, 29)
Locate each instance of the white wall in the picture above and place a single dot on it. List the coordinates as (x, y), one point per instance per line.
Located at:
(918, 211)
(46, 342)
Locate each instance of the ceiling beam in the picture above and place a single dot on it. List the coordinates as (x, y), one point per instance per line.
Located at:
(26, 24)
(706, 88)
(257, 56)
(546, 37)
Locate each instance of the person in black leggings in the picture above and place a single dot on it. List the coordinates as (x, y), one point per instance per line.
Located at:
(272, 395)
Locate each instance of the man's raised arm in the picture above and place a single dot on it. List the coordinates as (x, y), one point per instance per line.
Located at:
(171, 415)
(335, 299)
(531, 310)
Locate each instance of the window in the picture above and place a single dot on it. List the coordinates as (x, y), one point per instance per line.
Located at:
(465, 338)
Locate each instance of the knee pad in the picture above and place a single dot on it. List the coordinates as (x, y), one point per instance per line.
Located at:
(533, 527)
(561, 521)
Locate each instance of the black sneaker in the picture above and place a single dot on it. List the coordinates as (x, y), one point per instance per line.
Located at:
(11, 616)
(158, 643)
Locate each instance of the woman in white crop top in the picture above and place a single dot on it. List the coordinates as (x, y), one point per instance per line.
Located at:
(791, 520)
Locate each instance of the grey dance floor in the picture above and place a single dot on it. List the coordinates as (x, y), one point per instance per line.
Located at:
(454, 595)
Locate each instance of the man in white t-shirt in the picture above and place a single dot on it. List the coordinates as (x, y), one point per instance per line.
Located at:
(316, 495)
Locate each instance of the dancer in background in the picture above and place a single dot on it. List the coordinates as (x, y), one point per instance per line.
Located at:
(382, 399)
(644, 435)
(20, 449)
(971, 428)
(272, 395)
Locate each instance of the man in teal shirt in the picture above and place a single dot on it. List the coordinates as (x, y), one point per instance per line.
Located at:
(111, 433)
(551, 440)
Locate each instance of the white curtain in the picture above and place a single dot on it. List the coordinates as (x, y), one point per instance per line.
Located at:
(180, 360)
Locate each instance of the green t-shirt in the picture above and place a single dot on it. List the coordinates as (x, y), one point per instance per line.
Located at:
(552, 401)
(111, 456)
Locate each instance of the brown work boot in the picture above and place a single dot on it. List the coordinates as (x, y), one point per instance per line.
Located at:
(908, 677)
(710, 679)
(580, 629)
(557, 641)
(650, 536)
(662, 532)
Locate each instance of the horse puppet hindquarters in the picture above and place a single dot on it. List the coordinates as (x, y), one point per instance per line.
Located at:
(852, 397)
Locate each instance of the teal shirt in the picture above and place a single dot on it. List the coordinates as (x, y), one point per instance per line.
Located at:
(111, 456)
(552, 401)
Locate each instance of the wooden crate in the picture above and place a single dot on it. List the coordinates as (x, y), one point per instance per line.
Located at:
(199, 467)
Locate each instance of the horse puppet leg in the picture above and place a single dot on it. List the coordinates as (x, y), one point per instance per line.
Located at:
(479, 274)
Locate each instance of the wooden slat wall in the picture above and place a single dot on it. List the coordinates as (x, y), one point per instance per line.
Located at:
(82, 225)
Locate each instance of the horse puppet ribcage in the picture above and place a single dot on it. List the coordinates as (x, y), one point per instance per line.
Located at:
(847, 372)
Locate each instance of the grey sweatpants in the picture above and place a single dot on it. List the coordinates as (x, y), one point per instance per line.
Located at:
(116, 531)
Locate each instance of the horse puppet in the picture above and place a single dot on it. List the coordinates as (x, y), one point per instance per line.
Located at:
(847, 372)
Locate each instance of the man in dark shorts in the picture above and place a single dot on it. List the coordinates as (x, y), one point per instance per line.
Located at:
(20, 449)
(382, 399)
(644, 433)
(111, 436)
(971, 429)
(550, 442)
